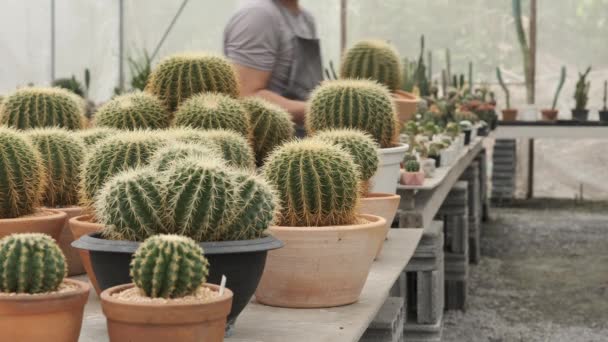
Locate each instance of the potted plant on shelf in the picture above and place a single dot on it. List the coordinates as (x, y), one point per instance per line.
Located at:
(604, 112)
(467, 127)
(169, 299)
(581, 97)
(551, 114)
(133, 111)
(36, 302)
(435, 149)
(413, 175)
(427, 164)
(508, 113)
(371, 110)
(329, 248)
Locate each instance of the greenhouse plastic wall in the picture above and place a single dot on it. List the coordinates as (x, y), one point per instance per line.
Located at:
(570, 33)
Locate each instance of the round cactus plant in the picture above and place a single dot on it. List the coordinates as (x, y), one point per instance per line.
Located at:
(22, 182)
(271, 126)
(42, 107)
(318, 183)
(412, 166)
(169, 266)
(360, 104)
(373, 59)
(213, 111)
(133, 111)
(30, 263)
(131, 205)
(115, 154)
(358, 144)
(62, 156)
(178, 77)
(91, 137)
(166, 156)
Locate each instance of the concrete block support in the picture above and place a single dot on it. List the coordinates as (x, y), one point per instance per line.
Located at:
(471, 176)
(503, 170)
(388, 324)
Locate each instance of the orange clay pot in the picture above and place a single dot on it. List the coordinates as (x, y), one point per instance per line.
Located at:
(174, 322)
(79, 226)
(549, 114)
(53, 317)
(509, 114)
(320, 267)
(406, 105)
(50, 223)
(383, 205)
(65, 239)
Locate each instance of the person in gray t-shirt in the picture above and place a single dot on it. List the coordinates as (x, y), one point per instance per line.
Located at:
(274, 47)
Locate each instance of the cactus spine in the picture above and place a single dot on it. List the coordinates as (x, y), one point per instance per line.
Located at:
(360, 104)
(271, 126)
(234, 147)
(317, 183)
(504, 87)
(133, 111)
(169, 266)
(178, 77)
(562, 79)
(22, 182)
(373, 59)
(62, 156)
(42, 107)
(213, 111)
(30, 263)
(166, 156)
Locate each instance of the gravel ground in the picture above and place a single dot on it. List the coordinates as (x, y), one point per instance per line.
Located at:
(543, 277)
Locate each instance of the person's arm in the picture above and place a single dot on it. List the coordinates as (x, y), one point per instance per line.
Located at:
(254, 82)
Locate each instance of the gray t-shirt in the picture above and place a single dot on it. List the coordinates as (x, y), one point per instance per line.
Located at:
(260, 36)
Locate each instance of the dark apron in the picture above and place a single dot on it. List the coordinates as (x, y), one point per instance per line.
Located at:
(306, 67)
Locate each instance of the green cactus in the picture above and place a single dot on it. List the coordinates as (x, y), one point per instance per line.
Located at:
(373, 59)
(115, 154)
(233, 146)
(70, 84)
(93, 136)
(131, 205)
(133, 111)
(318, 184)
(504, 88)
(562, 79)
(271, 126)
(42, 107)
(22, 181)
(30, 263)
(360, 145)
(62, 156)
(213, 111)
(360, 104)
(581, 93)
(409, 156)
(166, 156)
(178, 77)
(604, 108)
(412, 166)
(169, 266)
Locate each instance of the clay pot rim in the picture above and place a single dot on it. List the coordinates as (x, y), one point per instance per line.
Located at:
(106, 295)
(548, 110)
(70, 208)
(372, 196)
(404, 96)
(53, 214)
(393, 149)
(509, 110)
(373, 222)
(82, 288)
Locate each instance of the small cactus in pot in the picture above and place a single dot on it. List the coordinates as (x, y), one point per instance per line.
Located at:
(581, 96)
(551, 114)
(412, 175)
(604, 111)
(508, 113)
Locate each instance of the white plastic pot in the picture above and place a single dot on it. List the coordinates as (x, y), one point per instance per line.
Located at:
(387, 175)
(428, 167)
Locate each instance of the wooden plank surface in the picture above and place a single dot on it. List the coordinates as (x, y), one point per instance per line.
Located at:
(269, 324)
(550, 132)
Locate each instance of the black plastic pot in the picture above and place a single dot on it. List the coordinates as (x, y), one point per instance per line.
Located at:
(467, 137)
(242, 262)
(494, 123)
(437, 160)
(482, 131)
(580, 114)
(604, 115)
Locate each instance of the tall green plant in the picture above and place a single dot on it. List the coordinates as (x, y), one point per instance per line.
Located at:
(504, 87)
(581, 93)
(562, 79)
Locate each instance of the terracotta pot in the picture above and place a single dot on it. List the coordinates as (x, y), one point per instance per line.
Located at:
(175, 322)
(65, 239)
(509, 114)
(320, 267)
(54, 317)
(549, 114)
(79, 226)
(50, 223)
(406, 105)
(383, 205)
(412, 178)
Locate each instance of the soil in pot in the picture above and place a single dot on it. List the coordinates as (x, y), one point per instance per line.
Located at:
(580, 114)
(79, 226)
(136, 318)
(383, 205)
(509, 114)
(47, 221)
(49, 317)
(549, 114)
(320, 267)
(66, 238)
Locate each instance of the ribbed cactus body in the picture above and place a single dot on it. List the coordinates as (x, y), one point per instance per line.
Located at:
(115, 154)
(178, 77)
(360, 145)
(62, 156)
(169, 266)
(166, 156)
(133, 111)
(271, 126)
(30, 263)
(42, 107)
(373, 59)
(93, 136)
(132, 205)
(318, 183)
(213, 111)
(360, 104)
(22, 175)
